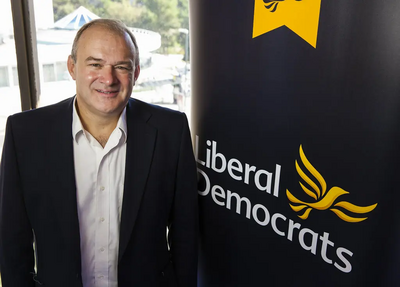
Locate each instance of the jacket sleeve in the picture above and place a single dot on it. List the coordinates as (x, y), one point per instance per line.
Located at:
(16, 236)
(183, 228)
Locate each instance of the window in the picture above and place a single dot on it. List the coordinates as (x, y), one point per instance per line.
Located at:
(10, 101)
(62, 71)
(4, 78)
(15, 76)
(48, 73)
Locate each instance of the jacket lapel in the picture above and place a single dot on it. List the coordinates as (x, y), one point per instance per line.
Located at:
(61, 156)
(139, 154)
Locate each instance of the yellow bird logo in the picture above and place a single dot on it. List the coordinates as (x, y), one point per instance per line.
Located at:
(323, 200)
(273, 5)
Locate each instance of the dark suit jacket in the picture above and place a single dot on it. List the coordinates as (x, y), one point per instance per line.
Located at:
(38, 200)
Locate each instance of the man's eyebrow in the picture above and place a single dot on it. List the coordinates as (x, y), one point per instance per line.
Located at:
(130, 63)
(90, 58)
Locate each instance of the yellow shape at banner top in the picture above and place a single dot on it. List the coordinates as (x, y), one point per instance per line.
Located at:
(300, 16)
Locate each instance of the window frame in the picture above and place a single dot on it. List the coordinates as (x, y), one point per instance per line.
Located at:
(26, 51)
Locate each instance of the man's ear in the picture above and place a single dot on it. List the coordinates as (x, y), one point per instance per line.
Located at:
(71, 67)
(136, 73)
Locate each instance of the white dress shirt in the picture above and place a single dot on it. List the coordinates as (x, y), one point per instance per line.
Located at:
(99, 174)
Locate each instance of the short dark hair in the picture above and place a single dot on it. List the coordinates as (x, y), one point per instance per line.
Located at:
(112, 25)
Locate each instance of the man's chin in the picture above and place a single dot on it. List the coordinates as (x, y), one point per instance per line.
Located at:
(110, 110)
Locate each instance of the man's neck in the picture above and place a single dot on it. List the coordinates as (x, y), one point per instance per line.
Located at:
(99, 127)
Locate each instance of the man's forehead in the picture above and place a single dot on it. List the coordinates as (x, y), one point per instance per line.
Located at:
(102, 29)
(99, 32)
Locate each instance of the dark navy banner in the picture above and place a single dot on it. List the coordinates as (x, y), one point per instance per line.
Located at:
(296, 125)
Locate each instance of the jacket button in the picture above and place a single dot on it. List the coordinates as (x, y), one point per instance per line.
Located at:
(163, 274)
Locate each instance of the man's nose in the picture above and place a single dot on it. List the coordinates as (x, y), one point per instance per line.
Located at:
(108, 76)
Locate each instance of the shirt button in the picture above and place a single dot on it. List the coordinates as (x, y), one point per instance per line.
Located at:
(102, 249)
(102, 219)
(101, 277)
(102, 188)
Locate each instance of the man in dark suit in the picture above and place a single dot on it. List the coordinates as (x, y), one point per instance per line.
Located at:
(94, 181)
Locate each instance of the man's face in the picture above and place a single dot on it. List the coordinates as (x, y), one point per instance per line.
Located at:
(104, 72)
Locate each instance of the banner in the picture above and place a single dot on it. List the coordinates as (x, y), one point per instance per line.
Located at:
(296, 126)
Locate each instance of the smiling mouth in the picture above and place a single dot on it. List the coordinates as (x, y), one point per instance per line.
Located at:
(107, 92)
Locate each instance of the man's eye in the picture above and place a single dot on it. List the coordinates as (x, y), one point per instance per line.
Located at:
(122, 68)
(95, 65)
